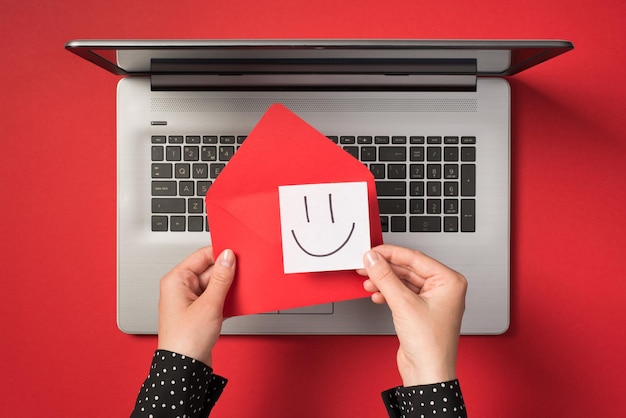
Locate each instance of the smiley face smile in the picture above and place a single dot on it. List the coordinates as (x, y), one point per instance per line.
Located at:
(332, 218)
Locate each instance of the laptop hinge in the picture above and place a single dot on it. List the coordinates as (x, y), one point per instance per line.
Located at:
(320, 74)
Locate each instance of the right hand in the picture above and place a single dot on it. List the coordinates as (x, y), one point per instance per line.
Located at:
(427, 301)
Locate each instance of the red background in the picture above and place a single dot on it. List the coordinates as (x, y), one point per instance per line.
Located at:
(61, 352)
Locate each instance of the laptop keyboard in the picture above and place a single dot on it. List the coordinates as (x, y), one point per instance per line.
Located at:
(423, 183)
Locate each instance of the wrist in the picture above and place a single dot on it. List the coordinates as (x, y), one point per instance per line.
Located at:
(425, 373)
(426, 377)
(201, 354)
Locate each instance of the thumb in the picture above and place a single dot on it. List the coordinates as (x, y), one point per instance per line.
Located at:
(219, 283)
(381, 274)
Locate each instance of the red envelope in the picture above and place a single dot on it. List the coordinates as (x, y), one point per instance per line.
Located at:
(243, 211)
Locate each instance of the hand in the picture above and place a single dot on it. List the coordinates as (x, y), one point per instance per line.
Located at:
(192, 301)
(427, 301)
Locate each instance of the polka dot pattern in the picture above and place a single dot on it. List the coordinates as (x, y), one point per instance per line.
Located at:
(440, 400)
(178, 386)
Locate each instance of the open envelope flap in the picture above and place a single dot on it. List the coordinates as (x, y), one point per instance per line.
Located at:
(243, 211)
(251, 247)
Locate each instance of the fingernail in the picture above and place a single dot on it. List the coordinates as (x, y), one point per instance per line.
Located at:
(371, 258)
(227, 259)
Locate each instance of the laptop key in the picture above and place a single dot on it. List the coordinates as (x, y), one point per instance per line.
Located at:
(392, 154)
(162, 171)
(433, 206)
(433, 171)
(195, 205)
(398, 224)
(433, 188)
(450, 154)
(208, 153)
(392, 206)
(215, 170)
(433, 153)
(468, 153)
(451, 224)
(195, 223)
(172, 153)
(417, 153)
(226, 153)
(159, 223)
(396, 171)
(468, 180)
(451, 188)
(165, 205)
(416, 206)
(425, 224)
(182, 171)
(191, 153)
(368, 153)
(157, 153)
(451, 171)
(391, 188)
(163, 188)
(450, 206)
(177, 223)
(416, 171)
(203, 187)
(186, 188)
(468, 215)
(200, 171)
(378, 170)
(416, 188)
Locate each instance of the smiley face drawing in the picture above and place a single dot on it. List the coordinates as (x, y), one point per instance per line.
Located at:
(332, 219)
(324, 227)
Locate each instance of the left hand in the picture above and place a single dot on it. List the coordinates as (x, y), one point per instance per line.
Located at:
(191, 303)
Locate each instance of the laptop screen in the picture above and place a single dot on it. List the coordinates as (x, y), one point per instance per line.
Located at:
(389, 57)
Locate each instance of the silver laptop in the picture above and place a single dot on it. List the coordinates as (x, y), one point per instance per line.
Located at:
(431, 119)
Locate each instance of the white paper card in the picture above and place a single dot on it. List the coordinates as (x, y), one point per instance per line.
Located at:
(324, 227)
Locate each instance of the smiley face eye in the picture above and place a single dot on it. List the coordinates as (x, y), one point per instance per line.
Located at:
(330, 206)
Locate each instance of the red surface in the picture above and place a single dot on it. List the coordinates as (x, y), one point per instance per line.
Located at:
(62, 355)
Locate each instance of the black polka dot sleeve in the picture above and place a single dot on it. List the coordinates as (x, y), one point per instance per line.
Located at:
(440, 400)
(178, 386)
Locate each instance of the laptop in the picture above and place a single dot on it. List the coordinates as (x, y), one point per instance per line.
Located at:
(431, 119)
